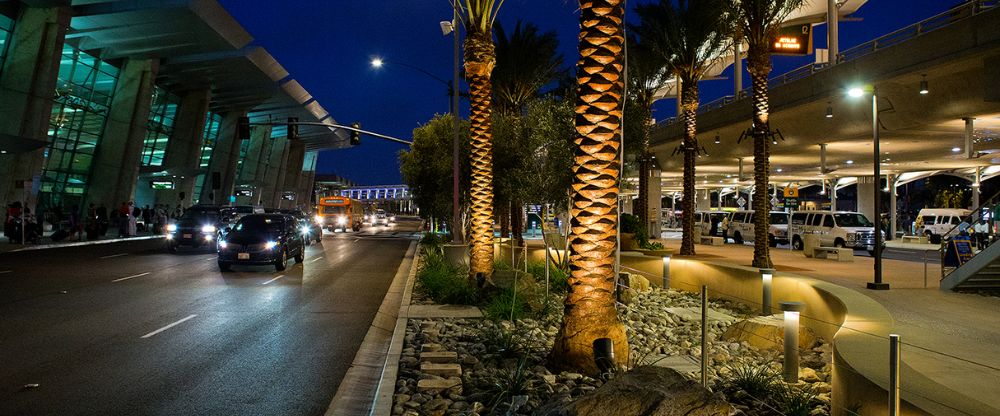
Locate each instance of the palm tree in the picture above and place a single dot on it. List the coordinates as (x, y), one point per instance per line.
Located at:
(644, 77)
(758, 21)
(690, 36)
(478, 16)
(527, 60)
(590, 303)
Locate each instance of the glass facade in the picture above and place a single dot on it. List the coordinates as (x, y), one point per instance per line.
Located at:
(160, 126)
(210, 136)
(309, 162)
(6, 28)
(83, 96)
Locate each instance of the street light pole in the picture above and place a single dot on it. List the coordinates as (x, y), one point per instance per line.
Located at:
(877, 283)
(457, 230)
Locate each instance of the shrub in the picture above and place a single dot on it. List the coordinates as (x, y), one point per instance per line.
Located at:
(505, 305)
(444, 283)
(502, 342)
(503, 384)
(652, 245)
(432, 242)
(756, 380)
(558, 280)
(794, 401)
(630, 223)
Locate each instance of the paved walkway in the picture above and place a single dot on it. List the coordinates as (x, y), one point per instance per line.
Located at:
(953, 338)
(46, 242)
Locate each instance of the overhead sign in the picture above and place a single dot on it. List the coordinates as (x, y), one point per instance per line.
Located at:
(244, 192)
(741, 202)
(161, 184)
(793, 40)
(791, 192)
(288, 196)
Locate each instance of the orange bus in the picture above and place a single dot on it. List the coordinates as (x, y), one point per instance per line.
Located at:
(340, 213)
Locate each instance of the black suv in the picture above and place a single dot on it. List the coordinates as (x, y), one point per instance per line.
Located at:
(198, 227)
(261, 239)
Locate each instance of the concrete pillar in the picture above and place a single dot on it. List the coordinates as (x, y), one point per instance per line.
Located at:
(866, 197)
(833, 194)
(976, 181)
(183, 153)
(254, 164)
(27, 81)
(970, 128)
(654, 203)
(117, 156)
(293, 172)
(737, 68)
(833, 30)
(703, 200)
(273, 178)
(223, 162)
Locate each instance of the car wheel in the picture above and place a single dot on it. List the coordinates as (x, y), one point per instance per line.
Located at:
(838, 243)
(172, 248)
(796, 243)
(224, 266)
(871, 253)
(308, 241)
(299, 258)
(771, 241)
(282, 262)
(738, 238)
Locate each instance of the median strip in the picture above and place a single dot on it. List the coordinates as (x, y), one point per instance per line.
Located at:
(130, 277)
(114, 255)
(276, 278)
(168, 326)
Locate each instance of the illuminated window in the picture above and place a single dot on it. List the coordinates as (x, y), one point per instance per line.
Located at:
(6, 28)
(160, 126)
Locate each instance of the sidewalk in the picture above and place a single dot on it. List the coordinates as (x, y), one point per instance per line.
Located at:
(47, 243)
(952, 338)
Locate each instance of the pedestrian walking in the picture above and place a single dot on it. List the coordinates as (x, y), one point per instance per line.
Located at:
(103, 221)
(132, 218)
(93, 226)
(124, 212)
(725, 229)
(75, 225)
(981, 233)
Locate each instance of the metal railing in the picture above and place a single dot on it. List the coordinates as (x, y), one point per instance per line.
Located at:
(966, 227)
(945, 19)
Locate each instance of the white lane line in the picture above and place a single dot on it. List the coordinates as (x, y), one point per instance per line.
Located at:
(356, 240)
(130, 277)
(114, 255)
(5, 271)
(168, 326)
(316, 259)
(276, 278)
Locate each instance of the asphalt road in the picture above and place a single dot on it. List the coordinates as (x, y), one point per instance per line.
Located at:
(130, 329)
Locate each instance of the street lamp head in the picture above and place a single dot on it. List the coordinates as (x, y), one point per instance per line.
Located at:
(447, 27)
(377, 62)
(856, 92)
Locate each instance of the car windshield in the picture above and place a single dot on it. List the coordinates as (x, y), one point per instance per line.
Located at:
(852, 220)
(779, 218)
(200, 216)
(259, 224)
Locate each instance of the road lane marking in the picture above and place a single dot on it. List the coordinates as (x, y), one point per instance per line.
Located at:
(316, 259)
(5, 271)
(114, 255)
(130, 277)
(276, 278)
(168, 326)
(355, 240)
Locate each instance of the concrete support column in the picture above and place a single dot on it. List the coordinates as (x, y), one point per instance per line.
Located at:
(223, 162)
(273, 177)
(254, 164)
(118, 154)
(183, 152)
(703, 200)
(976, 181)
(833, 194)
(737, 68)
(866, 197)
(970, 128)
(654, 203)
(27, 81)
(833, 30)
(304, 196)
(293, 172)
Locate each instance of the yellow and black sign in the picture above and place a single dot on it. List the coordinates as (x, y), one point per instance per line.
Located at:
(793, 40)
(791, 192)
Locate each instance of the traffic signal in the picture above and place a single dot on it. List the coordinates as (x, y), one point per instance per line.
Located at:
(293, 128)
(243, 128)
(355, 135)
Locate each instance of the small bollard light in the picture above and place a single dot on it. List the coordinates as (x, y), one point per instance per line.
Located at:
(894, 375)
(666, 272)
(604, 356)
(766, 276)
(790, 369)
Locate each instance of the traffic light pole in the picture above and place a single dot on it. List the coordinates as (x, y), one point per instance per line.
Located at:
(336, 126)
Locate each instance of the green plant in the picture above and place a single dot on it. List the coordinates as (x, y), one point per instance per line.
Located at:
(652, 245)
(502, 266)
(502, 342)
(502, 384)
(443, 283)
(432, 242)
(792, 400)
(558, 279)
(506, 305)
(756, 380)
(630, 223)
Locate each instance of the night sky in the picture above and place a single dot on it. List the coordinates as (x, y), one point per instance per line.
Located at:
(327, 45)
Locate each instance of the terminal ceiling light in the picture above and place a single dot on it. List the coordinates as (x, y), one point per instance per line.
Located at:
(956, 149)
(717, 139)
(856, 92)
(923, 85)
(829, 110)
(850, 162)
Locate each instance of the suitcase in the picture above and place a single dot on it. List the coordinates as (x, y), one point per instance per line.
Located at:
(59, 235)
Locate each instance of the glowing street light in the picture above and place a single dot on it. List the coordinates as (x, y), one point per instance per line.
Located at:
(876, 283)
(377, 62)
(856, 92)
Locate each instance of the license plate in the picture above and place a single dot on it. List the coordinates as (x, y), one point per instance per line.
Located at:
(870, 248)
(186, 236)
(243, 256)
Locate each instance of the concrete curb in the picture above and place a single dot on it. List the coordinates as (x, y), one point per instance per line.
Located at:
(85, 243)
(369, 384)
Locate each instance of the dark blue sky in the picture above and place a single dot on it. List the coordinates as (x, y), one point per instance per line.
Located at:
(327, 45)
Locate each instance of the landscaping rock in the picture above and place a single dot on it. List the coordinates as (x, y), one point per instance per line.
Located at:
(443, 370)
(767, 333)
(652, 391)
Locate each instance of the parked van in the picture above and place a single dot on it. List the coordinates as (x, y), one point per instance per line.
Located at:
(741, 227)
(835, 228)
(939, 221)
(707, 221)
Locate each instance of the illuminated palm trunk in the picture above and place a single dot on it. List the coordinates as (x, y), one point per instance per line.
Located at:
(479, 62)
(689, 108)
(590, 303)
(759, 67)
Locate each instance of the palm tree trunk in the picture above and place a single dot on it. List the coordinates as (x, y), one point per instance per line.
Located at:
(590, 312)
(689, 107)
(479, 61)
(503, 217)
(759, 69)
(517, 222)
(641, 206)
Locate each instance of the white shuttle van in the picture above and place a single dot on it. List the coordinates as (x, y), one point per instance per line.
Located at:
(939, 221)
(835, 228)
(741, 227)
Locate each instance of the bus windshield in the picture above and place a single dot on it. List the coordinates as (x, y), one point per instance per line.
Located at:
(328, 210)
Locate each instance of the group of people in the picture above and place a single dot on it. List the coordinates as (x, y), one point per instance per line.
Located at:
(132, 219)
(20, 225)
(94, 223)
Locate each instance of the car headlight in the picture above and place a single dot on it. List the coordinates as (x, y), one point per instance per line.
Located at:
(223, 244)
(341, 220)
(393, 219)
(171, 227)
(318, 218)
(208, 229)
(270, 244)
(305, 230)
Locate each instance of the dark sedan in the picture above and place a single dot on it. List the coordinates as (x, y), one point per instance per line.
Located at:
(311, 231)
(198, 227)
(262, 239)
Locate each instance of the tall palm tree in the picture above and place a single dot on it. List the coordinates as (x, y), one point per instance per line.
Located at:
(758, 21)
(590, 303)
(527, 60)
(644, 77)
(478, 17)
(690, 35)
